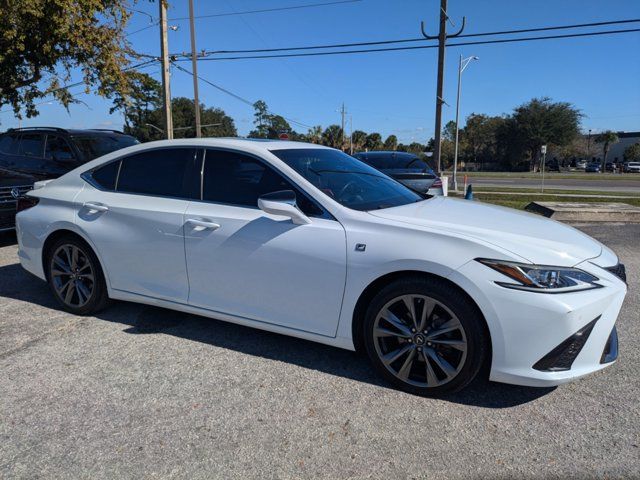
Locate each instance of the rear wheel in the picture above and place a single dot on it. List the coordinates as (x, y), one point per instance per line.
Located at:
(424, 337)
(75, 277)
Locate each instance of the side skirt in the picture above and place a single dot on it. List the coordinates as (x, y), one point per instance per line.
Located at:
(339, 342)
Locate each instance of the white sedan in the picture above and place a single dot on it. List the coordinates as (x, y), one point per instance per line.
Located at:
(307, 241)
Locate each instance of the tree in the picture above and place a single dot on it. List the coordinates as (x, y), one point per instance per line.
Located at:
(543, 122)
(632, 153)
(43, 41)
(183, 122)
(373, 142)
(359, 139)
(269, 125)
(138, 105)
(314, 135)
(606, 138)
(332, 136)
(391, 143)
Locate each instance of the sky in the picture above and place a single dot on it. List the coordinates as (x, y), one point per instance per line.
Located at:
(390, 92)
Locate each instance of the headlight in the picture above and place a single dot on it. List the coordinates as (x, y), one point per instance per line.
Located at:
(542, 278)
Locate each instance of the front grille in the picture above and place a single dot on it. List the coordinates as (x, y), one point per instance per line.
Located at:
(6, 195)
(619, 271)
(562, 357)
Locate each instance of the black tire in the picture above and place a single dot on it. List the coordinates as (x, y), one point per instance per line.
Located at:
(437, 344)
(82, 303)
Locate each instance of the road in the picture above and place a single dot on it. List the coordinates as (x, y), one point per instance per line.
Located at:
(564, 184)
(139, 392)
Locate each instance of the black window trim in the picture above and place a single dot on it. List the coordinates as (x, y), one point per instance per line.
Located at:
(200, 150)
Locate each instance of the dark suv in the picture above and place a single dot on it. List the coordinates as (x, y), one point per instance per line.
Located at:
(28, 155)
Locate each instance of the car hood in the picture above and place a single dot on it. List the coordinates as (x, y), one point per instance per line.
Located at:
(532, 237)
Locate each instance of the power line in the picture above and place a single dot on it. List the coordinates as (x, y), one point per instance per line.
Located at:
(422, 39)
(237, 97)
(246, 12)
(419, 47)
(266, 10)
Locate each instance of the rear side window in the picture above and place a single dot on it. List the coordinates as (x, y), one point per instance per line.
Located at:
(9, 144)
(32, 145)
(58, 149)
(106, 176)
(168, 172)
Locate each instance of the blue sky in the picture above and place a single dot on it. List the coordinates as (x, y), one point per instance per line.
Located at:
(391, 92)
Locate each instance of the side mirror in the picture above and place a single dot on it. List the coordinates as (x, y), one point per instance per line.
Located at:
(283, 203)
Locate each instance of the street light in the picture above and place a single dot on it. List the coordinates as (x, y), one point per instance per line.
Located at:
(463, 64)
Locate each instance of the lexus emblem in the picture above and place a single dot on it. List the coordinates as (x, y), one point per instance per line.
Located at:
(15, 192)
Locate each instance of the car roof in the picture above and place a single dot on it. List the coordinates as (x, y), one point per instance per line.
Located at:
(386, 153)
(70, 131)
(254, 144)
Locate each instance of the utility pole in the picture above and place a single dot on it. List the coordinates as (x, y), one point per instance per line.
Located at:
(166, 89)
(351, 134)
(442, 41)
(194, 68)
(463, 64)
(342, 112)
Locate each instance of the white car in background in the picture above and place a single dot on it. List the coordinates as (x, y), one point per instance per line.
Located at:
(307, 241)
(631, 167)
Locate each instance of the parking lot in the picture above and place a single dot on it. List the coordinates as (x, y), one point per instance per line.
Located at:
(139, 392)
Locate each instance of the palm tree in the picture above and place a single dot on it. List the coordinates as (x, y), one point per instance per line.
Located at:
(607, 138)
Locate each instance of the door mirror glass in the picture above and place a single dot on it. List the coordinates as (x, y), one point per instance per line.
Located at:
(283, 203)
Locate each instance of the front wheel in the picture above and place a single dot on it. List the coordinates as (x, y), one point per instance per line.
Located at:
(75, 277)
(424, 337)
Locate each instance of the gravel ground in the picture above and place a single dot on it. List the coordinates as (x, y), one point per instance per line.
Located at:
(139, 392)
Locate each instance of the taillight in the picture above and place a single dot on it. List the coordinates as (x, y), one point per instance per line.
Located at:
(24, 203)
(437, 183)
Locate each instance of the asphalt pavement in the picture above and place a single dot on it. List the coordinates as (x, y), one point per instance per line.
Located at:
(140, 392)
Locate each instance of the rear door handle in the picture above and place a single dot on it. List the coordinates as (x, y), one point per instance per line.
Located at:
(96, 207)
(203, 224)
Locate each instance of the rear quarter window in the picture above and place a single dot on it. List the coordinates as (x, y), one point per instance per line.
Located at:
(105, 177)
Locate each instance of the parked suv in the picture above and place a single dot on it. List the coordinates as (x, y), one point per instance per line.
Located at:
(406, 168)
(28, 155)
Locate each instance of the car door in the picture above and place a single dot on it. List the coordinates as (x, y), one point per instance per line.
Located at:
(133, 211)
(245, 262)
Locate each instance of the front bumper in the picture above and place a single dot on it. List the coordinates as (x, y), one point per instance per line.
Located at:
(541, 339)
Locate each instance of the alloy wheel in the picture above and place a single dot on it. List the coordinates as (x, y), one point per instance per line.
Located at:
(73, 275)
(420, 340)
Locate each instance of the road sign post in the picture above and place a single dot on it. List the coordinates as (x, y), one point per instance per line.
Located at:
(543, 150)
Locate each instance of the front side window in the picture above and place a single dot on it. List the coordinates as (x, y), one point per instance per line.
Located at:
(167, 172)
(32, 145)
(237, 179)
(347, 180)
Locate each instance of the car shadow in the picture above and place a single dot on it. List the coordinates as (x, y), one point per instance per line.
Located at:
(15, 283)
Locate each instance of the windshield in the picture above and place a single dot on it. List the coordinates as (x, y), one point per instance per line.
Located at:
(347, 180)
(95, 146)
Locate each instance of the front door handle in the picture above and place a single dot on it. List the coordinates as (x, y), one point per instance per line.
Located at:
(203, 224)
(97, 207)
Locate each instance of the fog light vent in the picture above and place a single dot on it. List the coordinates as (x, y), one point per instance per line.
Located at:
(562, 357)
(610, 352)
